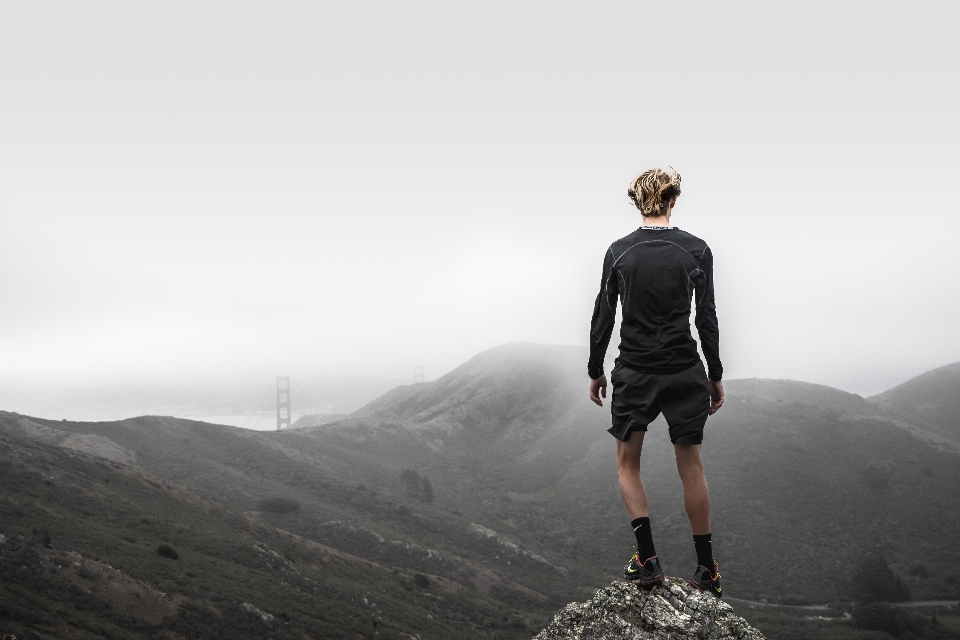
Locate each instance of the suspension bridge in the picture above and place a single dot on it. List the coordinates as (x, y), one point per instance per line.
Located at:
(286, 390)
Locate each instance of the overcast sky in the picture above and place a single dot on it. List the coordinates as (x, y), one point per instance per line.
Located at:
(200, 190)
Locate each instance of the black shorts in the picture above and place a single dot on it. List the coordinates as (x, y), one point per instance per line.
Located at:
(638, 398)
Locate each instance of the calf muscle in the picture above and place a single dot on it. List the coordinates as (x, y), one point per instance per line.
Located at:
(628, 474)
(696, 494)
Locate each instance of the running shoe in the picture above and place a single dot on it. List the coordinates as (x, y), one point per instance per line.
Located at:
(647, 574)
(705, 580)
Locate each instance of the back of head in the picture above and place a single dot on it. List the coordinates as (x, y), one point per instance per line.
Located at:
(653, 190)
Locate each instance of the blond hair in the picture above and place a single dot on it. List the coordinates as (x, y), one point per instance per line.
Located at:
(653, 190)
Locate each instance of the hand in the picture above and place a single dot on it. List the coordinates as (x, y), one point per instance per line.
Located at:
(598, 385)
(716, 396)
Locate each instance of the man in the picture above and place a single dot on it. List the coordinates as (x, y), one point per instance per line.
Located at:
(654, 272)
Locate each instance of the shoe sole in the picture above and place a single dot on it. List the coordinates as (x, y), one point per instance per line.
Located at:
(654, 581)
(699, 588)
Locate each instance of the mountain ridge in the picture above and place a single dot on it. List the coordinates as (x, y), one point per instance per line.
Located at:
(931, 398)
(808, 482)
(772, 434)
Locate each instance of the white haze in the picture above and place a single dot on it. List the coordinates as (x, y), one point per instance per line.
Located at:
(224, 191)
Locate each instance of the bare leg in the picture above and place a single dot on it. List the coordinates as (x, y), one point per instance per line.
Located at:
(628, 472)
(696, 495)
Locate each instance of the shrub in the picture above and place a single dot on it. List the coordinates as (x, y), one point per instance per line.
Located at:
(874, 580)
(919, 570)
(880, 617)
(517, 623)
(421, 581)
(167, 551)
(426, 490)
(410, 480)
(279, 505)
(86, 574)
(416, 486)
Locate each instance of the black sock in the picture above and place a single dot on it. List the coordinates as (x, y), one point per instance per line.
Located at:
(641, 529)
(704, 548)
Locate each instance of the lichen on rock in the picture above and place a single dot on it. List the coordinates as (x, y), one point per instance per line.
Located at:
(674, 610)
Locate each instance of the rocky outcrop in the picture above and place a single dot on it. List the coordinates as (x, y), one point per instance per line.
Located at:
(263, 615)
(672, 611)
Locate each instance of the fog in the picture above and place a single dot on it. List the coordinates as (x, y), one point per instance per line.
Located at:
(200, 192)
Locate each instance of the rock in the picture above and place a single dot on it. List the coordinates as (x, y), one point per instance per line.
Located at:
(263, 615)
(673, 610)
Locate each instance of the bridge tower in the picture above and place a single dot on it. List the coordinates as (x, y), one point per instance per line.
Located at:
(418, 374)
(283, 402)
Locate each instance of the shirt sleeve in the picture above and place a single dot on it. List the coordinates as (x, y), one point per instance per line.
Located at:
(707, 326)
(604, 317)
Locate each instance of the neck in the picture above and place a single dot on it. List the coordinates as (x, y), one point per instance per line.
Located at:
(659, 221)
(656, 221)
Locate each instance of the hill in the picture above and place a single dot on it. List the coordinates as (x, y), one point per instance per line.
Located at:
(932, 399)
(514, 415)
(256, 526)
(807, 481)
(79, 558)
(496, 485)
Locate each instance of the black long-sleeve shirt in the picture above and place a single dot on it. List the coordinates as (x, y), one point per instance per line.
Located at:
(655, 271)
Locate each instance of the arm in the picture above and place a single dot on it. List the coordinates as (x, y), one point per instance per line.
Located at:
(716, 395)
(706, 321)
(598, 389)
(601, 327)
(709, 331)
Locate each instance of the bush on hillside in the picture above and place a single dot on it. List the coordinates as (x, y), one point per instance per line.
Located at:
(410, 480)
(279, 505)
(167, 551)
(919, 570)
(880, 617)
(84, 572)
(874, 580)
(900, 623)
(426, 490)
(417, 486)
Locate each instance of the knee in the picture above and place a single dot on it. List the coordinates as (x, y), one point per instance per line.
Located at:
(628, 466)
(689, 461)
(694, 480)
